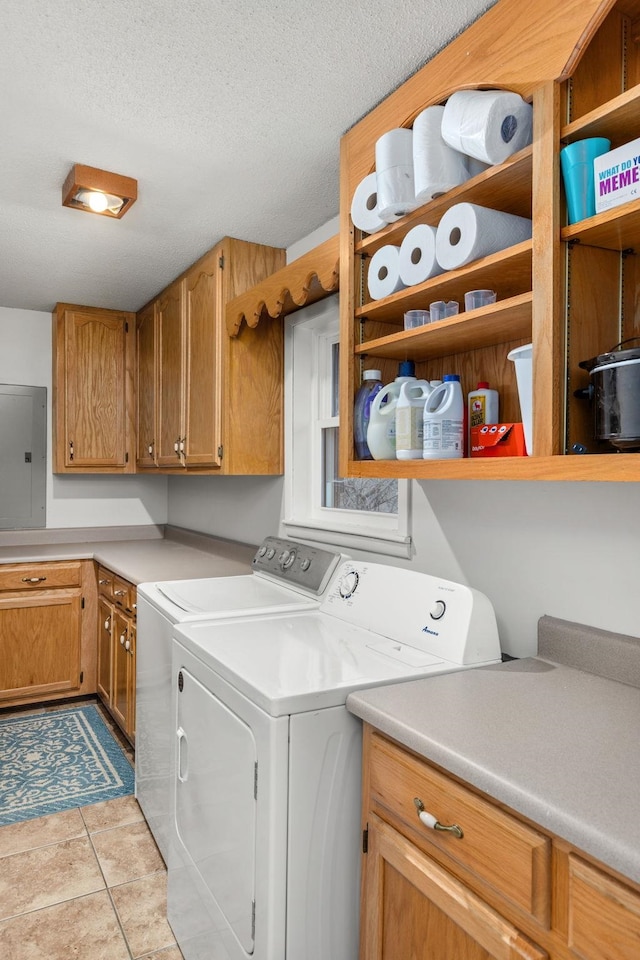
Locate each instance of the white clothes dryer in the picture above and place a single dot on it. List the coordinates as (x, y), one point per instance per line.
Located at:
(265, 847)
(285, 576)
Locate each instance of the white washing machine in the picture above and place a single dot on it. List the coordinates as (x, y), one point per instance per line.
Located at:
(264, 856)
(286, 576)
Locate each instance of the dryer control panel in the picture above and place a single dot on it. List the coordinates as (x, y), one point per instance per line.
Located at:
(296, 564)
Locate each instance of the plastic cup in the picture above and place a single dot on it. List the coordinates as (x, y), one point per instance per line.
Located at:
(576, 161)
(478, 298)
(416, 318)
(441, 309)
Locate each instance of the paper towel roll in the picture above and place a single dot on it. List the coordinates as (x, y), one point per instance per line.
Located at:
(417, 260)
(364, 210)
(383, 277)
(489, 125)
(468, 231)
(394, 174)
(437, 167)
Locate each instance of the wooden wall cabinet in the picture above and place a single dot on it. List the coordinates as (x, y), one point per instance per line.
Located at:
(46, 648)
(116, 684)
(93, 413)
(571, 290)
(209, 403)
(504, 890)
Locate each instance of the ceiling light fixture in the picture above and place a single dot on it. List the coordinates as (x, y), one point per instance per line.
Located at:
(98, 191)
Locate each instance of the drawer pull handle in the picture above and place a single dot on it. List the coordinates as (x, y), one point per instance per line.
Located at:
(33, 579)
(430, 821)
(119, 593)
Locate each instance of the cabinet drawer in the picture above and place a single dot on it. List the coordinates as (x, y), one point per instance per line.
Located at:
(604, 915)
(124, 595)
(40, 576)
(105, 583)
(496, 847)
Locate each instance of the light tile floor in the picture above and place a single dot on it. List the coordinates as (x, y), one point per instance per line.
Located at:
(87, 884)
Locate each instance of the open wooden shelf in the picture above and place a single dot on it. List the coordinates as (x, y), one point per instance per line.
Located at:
(497, 323)
(503, 187)
(617, 120)
(508, 272)
(615, 229)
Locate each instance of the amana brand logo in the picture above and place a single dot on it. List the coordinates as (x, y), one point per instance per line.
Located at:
(435, 633)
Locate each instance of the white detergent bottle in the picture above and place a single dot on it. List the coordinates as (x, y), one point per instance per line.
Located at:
(444, 421)
(381, 432)
(410, 419)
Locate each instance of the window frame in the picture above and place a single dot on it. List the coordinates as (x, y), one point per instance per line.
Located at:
(308, 336)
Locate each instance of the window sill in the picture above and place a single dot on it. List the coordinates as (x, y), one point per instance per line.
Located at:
(357, 538)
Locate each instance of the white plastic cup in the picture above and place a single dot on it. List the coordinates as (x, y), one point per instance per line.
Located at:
(523, 359)
(441, 309)
(478, 298)
(416, 318)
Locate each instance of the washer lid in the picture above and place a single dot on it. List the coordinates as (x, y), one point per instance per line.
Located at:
(295, 663)
(185, 600)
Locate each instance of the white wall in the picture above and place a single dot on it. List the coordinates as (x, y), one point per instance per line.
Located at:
(565, 549)
(83, 500)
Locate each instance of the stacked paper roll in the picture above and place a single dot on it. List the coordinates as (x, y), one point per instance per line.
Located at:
(383, 277)
(437, 167)
(468, 231)
(475, 166)
(394, 174)
(418, 255)
(489, 125)
(364, 206)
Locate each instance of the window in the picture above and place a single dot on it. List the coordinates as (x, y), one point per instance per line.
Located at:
(360, 513)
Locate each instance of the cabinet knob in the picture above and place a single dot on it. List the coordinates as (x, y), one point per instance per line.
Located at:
(150, 448)
(430, 821)
(176, 447)
(107, 623)
(33, 579)
(123, 637)
(127, 645)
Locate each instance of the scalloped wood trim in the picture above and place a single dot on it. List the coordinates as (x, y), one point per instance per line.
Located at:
(311, 277)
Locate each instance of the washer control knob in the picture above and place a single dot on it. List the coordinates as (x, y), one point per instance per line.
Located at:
(348, 584)
(437, 610)
(262, 551)
(305, 564)
(271, 553)
(290, 556)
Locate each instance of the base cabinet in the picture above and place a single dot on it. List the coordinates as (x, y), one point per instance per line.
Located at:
(496, 887)
(43, 653)
(116, 684)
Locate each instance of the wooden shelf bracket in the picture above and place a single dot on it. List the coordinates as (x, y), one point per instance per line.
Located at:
(310, 278)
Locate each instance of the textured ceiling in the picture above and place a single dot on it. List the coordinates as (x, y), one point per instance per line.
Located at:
(229, 114)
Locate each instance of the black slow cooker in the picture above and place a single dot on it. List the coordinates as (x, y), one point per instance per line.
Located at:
(615, 394)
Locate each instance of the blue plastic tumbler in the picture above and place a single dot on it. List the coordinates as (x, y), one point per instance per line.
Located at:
(576, 161)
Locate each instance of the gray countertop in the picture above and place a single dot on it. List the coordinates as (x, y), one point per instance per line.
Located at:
(557, 744)
(180, 555)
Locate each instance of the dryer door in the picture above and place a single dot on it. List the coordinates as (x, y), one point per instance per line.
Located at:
(216, 804)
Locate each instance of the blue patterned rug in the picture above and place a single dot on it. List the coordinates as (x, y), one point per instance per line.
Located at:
(57, 760)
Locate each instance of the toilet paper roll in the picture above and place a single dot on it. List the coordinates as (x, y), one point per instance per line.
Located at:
(475, 166)
(468, 231)
(489, 125)
(437, 167)
(394, 174)
(417, 261)
(364, 206)
(383, 277)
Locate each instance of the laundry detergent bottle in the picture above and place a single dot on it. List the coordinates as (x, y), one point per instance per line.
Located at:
(381, 432)
(443, 425)
(410, 419)
(371, 385)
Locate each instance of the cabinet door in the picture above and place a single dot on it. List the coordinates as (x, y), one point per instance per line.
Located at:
(105, 630)
(170, 375)
(414, 908)
(146, 387)
(121, 669)
(92, 390)
(40, 644)
(203, 385)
